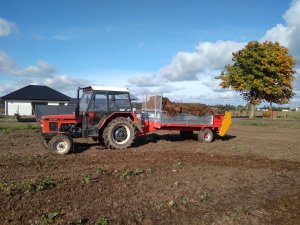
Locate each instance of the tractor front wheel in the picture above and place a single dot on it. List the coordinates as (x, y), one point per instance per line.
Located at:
(60, 144)
(206, 135)
(119, 133)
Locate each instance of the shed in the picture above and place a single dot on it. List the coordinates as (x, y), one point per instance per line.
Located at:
(24, 100)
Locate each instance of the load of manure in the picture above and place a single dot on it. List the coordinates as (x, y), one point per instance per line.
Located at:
(172, 109)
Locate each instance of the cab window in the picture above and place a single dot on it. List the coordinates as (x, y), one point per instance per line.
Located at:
(99, 102)
(119, 102)
(84, 101)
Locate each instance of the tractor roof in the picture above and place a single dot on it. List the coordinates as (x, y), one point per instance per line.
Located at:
(105, 88)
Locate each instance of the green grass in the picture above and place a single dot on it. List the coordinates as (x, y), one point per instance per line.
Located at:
(291, 116)
(12, 126)
(90, 177)
(254, 123)
(290, 124)
(4, 117)
(100, 170)
(8, 189)
(87, 178)
(51, 218)
(102, 221)
(127, 172)
(40, 184)
(32, 185)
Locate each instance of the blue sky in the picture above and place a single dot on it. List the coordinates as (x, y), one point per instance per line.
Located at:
(175, 47)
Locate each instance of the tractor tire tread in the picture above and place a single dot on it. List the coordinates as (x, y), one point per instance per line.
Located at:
(108, 129)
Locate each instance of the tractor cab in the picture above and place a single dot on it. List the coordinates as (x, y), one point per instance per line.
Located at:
(104, 99)
(97, 103)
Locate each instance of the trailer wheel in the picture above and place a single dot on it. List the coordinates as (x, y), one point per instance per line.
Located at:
(119, 133)
(206, 135)
(60, 144)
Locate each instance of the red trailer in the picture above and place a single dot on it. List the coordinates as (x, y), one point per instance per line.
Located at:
(154, 118)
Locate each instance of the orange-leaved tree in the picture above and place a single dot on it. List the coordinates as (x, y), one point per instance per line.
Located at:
(261, 72)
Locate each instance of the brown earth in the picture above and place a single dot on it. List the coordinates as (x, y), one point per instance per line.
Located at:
(249, 177)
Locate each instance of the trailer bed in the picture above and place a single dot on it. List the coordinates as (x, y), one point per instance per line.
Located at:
(181, 119)
(157, 119)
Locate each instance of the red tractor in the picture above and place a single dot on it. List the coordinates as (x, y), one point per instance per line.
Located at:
(105, 114)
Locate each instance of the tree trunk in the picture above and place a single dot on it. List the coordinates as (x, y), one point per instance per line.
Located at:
(252, 111)
(271, 111)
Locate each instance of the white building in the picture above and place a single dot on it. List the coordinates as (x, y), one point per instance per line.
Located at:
(24, 100)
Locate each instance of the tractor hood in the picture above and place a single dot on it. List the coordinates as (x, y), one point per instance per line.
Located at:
(60, 117)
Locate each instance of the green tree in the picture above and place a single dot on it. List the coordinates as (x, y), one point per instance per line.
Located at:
(261, 72)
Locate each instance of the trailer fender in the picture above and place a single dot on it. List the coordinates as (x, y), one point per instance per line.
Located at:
(225, 124)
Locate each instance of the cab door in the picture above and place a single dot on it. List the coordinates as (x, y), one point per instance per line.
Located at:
(83, 110)
(97, 111)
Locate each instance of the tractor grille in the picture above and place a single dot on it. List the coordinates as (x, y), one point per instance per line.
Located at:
(53, 126)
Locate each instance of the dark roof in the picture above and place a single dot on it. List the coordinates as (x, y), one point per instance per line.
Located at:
(37, 92)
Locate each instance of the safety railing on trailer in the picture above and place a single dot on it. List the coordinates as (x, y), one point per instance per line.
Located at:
(152, 110)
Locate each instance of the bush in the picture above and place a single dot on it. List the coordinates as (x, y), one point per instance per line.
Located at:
(267, 114)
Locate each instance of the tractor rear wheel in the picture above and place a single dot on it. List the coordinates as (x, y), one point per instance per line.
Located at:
(206, 135)
(119, 133)
(60, 144)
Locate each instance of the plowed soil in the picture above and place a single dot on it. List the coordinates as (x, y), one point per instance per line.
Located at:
(252, 176)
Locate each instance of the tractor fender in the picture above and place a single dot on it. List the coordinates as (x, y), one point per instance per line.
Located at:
(130, 115)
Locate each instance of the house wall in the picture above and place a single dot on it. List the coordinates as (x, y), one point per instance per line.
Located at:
(24, 108)
(21, 108)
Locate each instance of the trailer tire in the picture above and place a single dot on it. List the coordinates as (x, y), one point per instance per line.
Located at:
(206, 135)
(60, 144)
(119, 133)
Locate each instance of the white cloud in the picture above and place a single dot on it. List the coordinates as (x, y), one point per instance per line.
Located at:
(40, 74)
(9, 67)
(6, 63)
(207, 56)
(186, 66)
(63, 83)
(163, 89)
(195, 71)
(6, 27)
(147, 81)
(288, 34)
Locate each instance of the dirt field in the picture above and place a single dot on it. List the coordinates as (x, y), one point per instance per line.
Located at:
(250, 177)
